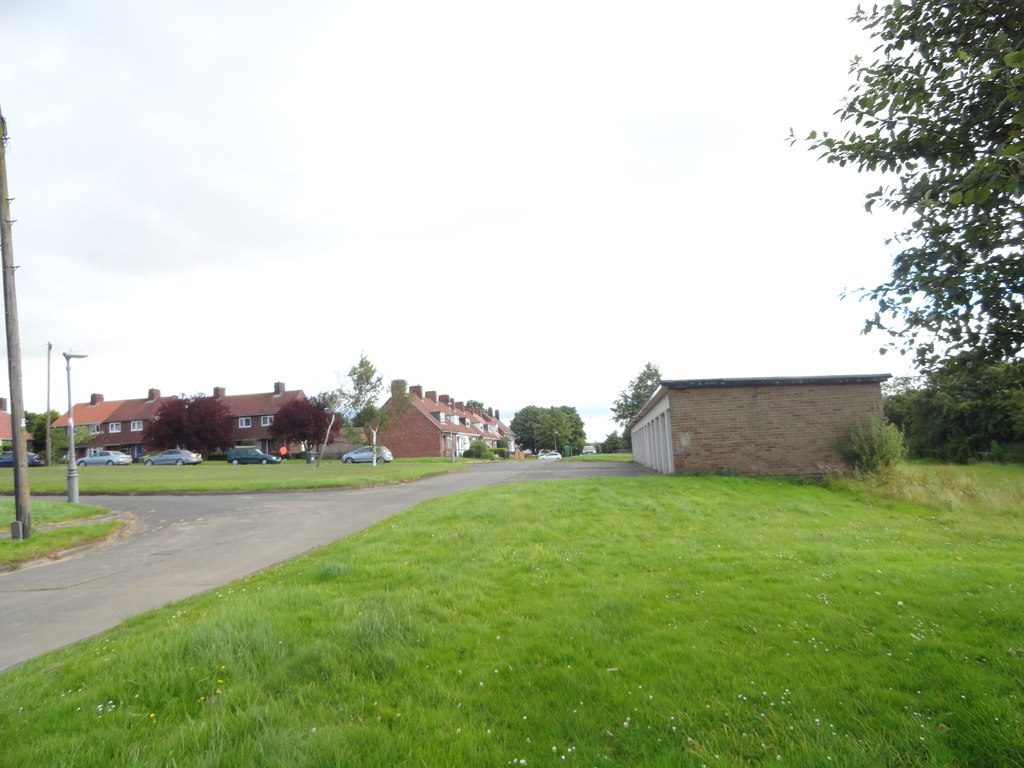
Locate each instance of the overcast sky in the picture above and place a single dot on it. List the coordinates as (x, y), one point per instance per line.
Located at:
(519, 203)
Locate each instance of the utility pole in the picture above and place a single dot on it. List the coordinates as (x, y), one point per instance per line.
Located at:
(49, 443)
(21, 528)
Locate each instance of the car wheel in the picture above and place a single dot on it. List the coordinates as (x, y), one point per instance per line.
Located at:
(349, 461)
(149, 462)
(179, 462)
(81, 463)
(263, 461)
(110, 463)
(235, 462)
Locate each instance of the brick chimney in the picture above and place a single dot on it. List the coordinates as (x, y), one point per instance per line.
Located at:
(3, 404)
(497, 415)
(416, 391)
(154, 394)
(432, 395)
(219, 391)
(278, 389)
(444, 399)
(95, 399)
(460, 406)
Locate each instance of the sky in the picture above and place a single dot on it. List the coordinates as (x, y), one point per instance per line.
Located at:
(516, 203)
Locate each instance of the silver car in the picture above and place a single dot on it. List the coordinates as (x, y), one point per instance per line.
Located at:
(105, 458)
(366, 454)
(177, 456)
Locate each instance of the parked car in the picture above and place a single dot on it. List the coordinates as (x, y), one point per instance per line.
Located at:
(177, 456)
(108, 458)
(549, 455)
(34, 459)
(588, 450)
(246, 454)
(366, 454)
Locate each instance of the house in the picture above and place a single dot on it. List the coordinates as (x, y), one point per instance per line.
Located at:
(254, 415)
(427, 424)
(118, 425)
(6, 425)
(769, 426)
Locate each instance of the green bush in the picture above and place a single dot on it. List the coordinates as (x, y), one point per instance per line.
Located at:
(874, 447)
(478, 450)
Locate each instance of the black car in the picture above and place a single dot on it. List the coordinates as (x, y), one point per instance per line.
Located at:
(34, 459)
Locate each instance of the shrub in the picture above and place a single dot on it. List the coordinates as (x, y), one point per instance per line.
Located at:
(874, 447)
(478, 450)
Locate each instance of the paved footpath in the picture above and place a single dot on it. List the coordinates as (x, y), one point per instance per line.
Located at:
(182, 545)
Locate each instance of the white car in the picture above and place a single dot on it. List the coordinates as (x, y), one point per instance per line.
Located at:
(107, 458)
(589, 450)
(550, 455)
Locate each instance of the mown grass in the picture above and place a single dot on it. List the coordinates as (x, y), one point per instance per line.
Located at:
(656, 621)
(219, 476)
(45, 540)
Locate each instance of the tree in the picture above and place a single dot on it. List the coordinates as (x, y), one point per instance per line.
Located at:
(36, 424)
(963, 410)
(199, 422)
(541, 428)
(304, 420)
(942, 109)
(636, 395)
(523, 424)
(612, 443)
(366, 386)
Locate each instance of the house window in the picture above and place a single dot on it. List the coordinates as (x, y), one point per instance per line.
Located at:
(94, 429)
(137, 426)
(114, 427)
(266, 421)
(244, 422)
(440, 416)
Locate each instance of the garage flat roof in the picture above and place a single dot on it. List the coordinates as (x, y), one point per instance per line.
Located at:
(777, 381)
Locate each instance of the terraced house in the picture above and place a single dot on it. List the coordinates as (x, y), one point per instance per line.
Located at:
(118, 425)
(428, 424)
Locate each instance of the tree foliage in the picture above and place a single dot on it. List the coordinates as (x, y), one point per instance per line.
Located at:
(366, 385)
(612, 443)
(304, 420)
(35, 423)
(634, 396)
(539, 428)
(200, 423)
(963, 410)
(941, 109)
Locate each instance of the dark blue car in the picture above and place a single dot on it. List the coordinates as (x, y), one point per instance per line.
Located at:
(34, 459)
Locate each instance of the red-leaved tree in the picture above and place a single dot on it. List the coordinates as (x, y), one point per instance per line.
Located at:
(199, 423)
(304, 420)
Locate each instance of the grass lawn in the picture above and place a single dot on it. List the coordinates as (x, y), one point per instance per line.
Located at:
(46, 540)
(220, 476)
(655, 621)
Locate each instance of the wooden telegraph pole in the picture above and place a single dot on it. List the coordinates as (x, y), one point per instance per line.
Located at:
(21, 528)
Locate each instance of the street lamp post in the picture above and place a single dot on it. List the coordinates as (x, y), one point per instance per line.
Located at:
(72, 466)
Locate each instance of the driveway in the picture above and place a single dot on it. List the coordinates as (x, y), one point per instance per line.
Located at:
(182, 545)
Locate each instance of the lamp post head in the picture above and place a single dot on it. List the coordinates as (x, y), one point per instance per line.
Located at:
(69, 355)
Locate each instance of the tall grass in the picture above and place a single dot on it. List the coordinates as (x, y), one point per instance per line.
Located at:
(657, 621)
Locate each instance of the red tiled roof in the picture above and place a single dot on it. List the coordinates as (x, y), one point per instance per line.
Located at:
(260, 404)
(91, 414)
(429, 407)
(6, 429)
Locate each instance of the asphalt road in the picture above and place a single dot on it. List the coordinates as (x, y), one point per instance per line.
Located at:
(182, 545)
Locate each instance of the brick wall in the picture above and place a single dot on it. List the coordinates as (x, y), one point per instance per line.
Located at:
(766, 430)
(410, 436)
